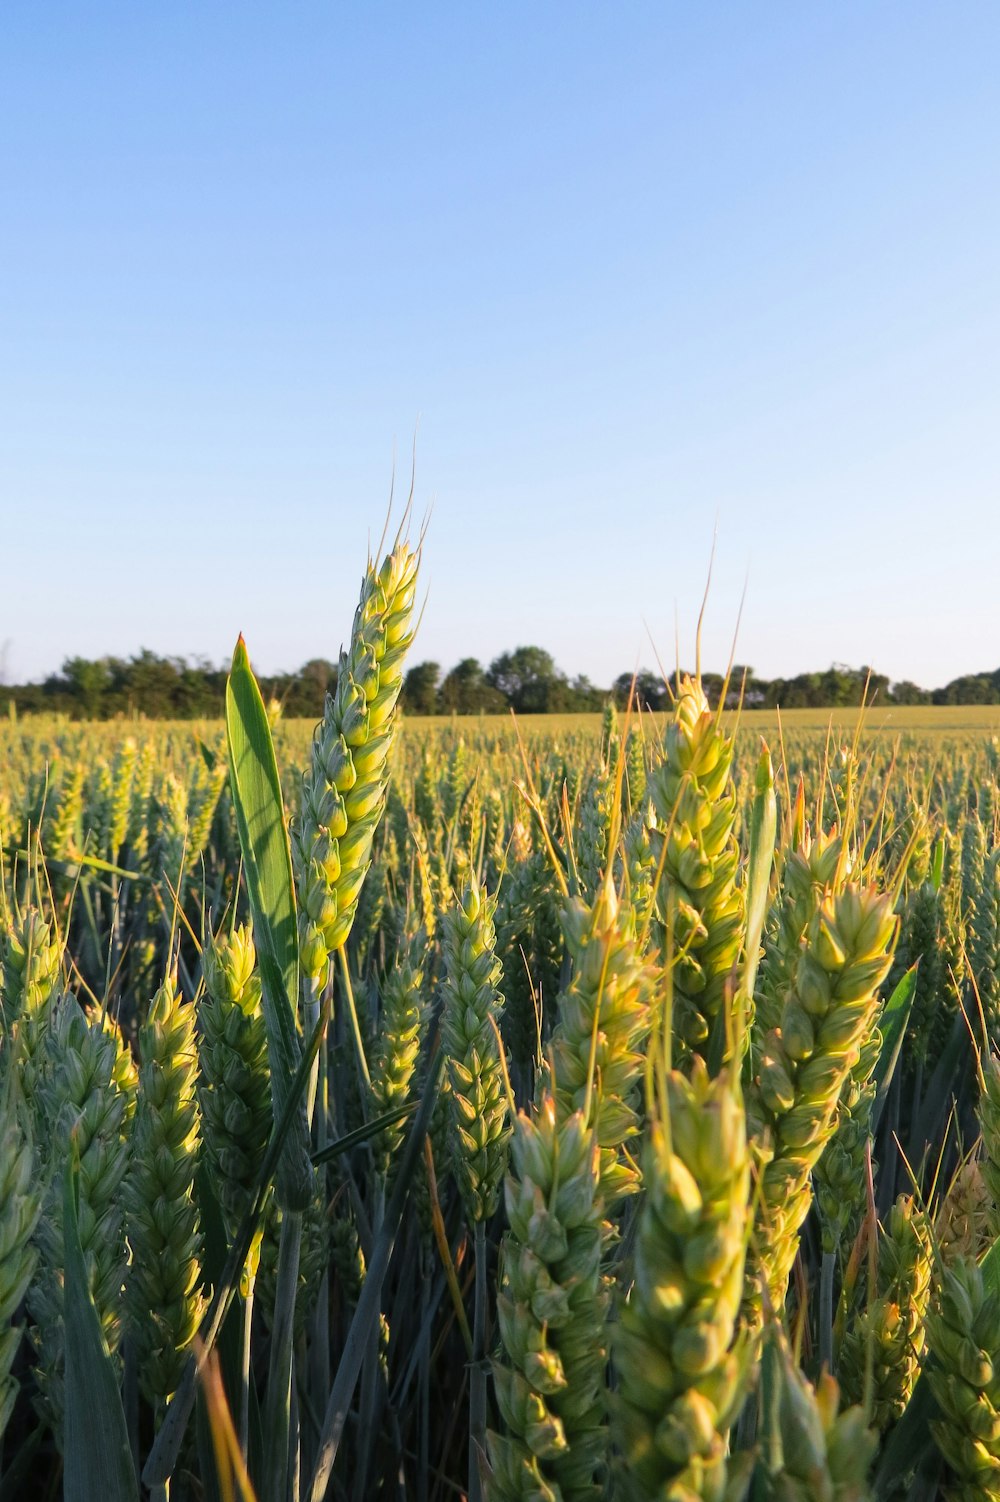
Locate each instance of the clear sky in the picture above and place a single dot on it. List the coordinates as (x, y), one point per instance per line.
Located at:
(632, 271)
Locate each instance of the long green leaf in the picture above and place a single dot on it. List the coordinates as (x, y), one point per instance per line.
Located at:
(763, 830)
(908, 1443)
(215, 1260)
(369, 1304)
(98, 1460)
(71, 865)
(267, 863)
(362, 1133)
(990, 1268)
(946, 1083)
(892, 1025)
(167, 1446)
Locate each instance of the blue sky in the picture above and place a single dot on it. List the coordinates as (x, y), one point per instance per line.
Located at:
(633, 273)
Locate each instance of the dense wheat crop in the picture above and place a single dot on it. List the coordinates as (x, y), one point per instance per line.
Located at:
(585, 1108)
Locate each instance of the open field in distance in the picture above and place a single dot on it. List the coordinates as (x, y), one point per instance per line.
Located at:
(899, 719)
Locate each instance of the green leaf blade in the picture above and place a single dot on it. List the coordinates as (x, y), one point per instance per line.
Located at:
(98, 1459)
(267, 863)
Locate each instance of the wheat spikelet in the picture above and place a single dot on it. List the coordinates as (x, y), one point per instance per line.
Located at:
(890, 1328)
(596, 1050)
(699, 905)
(824, 1454)
(86, 1092)
(551, 1308)
(401, 1028)
(682, 1369)
(828, 1014)
(343, 792)
(235, 1094)
(29, 968)
(165, 1300)
(963, 1332)
(472, 1009)
(20, 1207)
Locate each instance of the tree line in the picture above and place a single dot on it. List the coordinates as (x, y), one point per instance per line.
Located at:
(526, 680)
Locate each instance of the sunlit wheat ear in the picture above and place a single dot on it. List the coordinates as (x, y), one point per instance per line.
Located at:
(30, 957)
(603, 1023)
(635, 770)
(122, 775)
(140, 796)
(596, 818)
(889, 1328)
(62, 836)
(828, 1014)
(814, 868)
(962, 1226)
(343, 791)
(698, 902)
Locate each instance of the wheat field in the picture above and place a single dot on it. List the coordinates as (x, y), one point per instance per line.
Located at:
(579, 1107)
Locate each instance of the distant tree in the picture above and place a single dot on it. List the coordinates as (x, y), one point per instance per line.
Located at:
(86, 682)
(320, 674)
(906, 692)
(420, 688)
(744, 686)
(529, 680)
(583, 696)
(650, 690)
(525, 679)
(303, 694)
(877, 685)
(465, 690)
(972, 688)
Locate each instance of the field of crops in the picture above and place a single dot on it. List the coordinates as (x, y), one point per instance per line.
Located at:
(583, 1108)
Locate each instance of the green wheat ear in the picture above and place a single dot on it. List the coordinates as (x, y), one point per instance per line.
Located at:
(30, 959)
(29, 967)
(402, 1024)
(693, 848)
(551, 1307)
(472, 1009)
(963, 1333)
(889, 1330)
(827, 1016)
(20, 1207)
(597, 1048)
(823, 1453)
(235, 1090)
(86, 1090)
(682, 1367)
(165, 1298)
